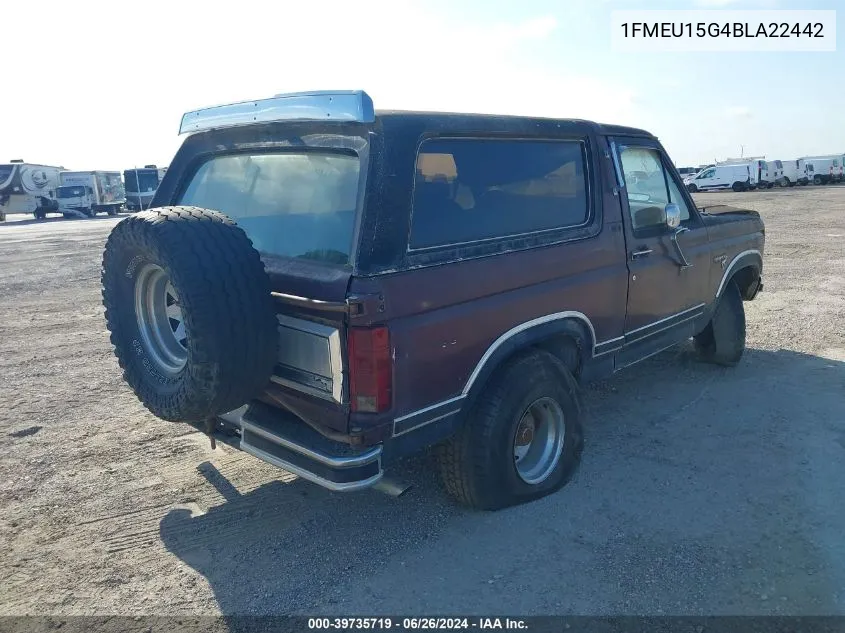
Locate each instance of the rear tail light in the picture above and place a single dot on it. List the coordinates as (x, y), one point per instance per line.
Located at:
(370, 369)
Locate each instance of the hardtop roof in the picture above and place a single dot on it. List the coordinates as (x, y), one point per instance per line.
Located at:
(454, 121)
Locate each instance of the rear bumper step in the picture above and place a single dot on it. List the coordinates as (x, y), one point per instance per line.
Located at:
(338, 470)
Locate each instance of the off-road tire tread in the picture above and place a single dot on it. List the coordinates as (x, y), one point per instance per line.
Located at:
(226, 304)
(465, 473)
(723, 340)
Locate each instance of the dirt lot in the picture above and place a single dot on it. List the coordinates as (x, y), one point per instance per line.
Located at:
(703, 490)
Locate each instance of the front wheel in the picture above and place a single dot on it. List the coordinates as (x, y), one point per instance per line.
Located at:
(521, 440)
(817, 180)
(112, 210)
(723, 340)
(692, 188)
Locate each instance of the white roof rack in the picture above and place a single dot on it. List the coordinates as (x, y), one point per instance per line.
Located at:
(343, 105)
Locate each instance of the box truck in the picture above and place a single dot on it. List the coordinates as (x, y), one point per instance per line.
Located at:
(141, 185)
(87, 193)
(28, 188)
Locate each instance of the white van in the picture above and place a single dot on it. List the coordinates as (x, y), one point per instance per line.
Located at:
(789, 173)
(735, 177)
(760, 174)
(822, 170)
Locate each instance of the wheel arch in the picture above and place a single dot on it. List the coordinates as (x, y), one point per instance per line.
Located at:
(745, 269)
(557, 334)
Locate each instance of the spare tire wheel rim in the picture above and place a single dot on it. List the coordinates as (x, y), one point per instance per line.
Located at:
(538, 441)
(160, 320)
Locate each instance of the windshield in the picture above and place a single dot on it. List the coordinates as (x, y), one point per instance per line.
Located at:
(291, 204)
(70, 192)
(6, 172)
(143, 181)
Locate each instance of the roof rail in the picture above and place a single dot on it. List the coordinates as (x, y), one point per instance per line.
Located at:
(339, 105)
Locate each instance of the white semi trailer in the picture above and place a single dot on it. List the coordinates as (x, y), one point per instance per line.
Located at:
(28, 188)
(87, 193)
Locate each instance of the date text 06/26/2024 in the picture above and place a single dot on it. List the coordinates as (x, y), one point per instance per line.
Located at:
(416, 623)
(724, 30)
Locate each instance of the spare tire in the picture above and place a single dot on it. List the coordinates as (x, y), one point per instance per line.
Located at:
(189, 310)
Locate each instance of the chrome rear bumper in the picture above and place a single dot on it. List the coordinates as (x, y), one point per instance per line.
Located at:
(266, 434)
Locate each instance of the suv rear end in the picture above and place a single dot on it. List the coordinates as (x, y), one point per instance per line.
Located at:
(294, 177)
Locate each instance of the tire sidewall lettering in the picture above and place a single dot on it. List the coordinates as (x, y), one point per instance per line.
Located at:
(147, 364)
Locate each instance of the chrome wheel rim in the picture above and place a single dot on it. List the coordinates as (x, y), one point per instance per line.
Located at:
(160, 320)
(538, 441)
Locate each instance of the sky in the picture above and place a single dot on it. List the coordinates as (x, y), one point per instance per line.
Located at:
(103, 85)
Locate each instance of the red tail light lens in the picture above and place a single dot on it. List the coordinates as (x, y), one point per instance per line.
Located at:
(370, 369)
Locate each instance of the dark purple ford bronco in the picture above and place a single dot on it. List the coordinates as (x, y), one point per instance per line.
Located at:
(329, 287)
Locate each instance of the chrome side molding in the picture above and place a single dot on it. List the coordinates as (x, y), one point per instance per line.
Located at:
(339, 105)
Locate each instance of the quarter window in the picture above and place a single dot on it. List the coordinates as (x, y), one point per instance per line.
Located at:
(469, 190)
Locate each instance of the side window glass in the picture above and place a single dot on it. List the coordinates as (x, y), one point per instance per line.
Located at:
(676, 197)
(645, 184)
(469, 190)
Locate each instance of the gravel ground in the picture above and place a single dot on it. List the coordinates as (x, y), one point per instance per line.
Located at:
(702, 491)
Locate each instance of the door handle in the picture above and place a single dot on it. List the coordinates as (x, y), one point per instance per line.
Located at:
(641, 253)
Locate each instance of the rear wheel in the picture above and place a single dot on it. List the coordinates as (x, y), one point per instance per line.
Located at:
(738, 186)
(817, 180)
(113, 210)
(522, 439)
(39, 214)
(190, 313)
(723, 340)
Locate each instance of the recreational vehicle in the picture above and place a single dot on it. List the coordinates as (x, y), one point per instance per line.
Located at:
(141, 185)
(28, 188)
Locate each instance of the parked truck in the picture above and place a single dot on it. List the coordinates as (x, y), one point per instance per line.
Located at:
(87, 193)
(28, 188)
(141, 185)
(330, 287)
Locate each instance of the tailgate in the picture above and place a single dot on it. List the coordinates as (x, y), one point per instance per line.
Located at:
(309, 378)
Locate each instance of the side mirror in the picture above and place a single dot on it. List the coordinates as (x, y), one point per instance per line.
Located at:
(673, 216)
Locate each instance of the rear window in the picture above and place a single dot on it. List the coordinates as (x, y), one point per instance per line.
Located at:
(468, 190)
(299, 205)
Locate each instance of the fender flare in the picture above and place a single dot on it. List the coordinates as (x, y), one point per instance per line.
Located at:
(523, 336)
(751, 257)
